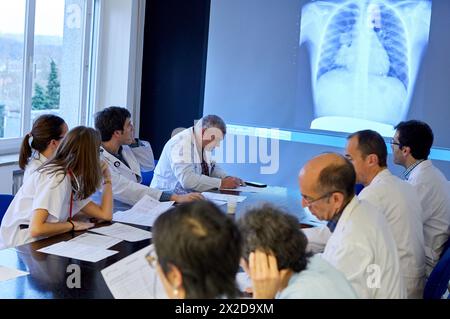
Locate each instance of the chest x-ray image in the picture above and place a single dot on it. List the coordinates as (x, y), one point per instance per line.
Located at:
(365, 55)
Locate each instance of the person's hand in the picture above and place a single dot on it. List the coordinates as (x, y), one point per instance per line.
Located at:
(78, 226)
(82, 217)
(241, 182)
(230, 182)
(98, 221)
(187, 197)
(266, 278)
(105, 170)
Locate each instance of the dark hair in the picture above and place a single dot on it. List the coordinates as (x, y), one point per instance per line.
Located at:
(111, 119)
(78, 153)
(418, 136)
(338, 177)
(204, 244)
(271, 230)
(209, 121)
(46, 128)
(371, 142)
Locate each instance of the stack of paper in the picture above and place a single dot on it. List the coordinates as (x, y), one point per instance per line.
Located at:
(224, 198)
(133, 278)
(144, 212)
(10, 273)
(246, 189)
(124, 232)
(75, 250)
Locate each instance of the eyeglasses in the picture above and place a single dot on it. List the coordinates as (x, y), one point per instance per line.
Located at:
(151, 258)
(309, 201)
(155, 282)
(393, 142)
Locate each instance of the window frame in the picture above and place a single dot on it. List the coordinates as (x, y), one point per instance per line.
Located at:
(90, 19)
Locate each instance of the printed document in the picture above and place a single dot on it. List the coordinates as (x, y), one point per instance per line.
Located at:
(124, 232)
(144, 212)
(78, 251)
(134, 278)
(98, 241)
(7, 273)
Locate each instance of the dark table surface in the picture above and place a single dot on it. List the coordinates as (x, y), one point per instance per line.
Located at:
(49, 273)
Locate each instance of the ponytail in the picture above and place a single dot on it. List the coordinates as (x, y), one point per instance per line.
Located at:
(25, 151)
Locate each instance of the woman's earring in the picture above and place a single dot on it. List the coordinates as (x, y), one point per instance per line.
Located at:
(175, 292)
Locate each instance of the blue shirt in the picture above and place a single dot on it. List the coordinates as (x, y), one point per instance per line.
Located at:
(319, 280)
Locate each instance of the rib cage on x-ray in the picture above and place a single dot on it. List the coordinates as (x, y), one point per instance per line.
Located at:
(342, 29)
(392, 36)
(342, 23)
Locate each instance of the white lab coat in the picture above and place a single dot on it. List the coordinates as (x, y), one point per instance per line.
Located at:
(40, 191)
(180, 164)
(432, 187)
(126, 180)
(399, 203)
(363, 249)
(35, 161)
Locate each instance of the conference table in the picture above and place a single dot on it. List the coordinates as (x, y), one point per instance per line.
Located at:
(48, 274)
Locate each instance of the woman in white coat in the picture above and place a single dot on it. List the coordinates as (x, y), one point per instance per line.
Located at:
(58, 190)
(41, 143)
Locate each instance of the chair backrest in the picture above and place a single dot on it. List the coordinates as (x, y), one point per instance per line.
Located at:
(446, 247)
(147, 176)
(438, 282)
(358, 188)
(5, 200)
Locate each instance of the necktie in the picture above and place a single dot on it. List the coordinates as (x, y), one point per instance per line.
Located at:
(205, 168)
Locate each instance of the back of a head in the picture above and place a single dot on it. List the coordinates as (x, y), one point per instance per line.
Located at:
(418, 136)
(204, 244)
(214, 121)
(109, 120)
(78, 153)
(337, 176)
(371, 142)
(271, 230)
(46, 128)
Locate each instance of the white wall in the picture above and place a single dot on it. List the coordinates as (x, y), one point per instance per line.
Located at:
(114, 47)
(120, 55)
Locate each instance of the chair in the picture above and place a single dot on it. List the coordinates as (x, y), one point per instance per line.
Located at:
(147, 176)
(358, 188)
(438, 282)
(5, 200)
(446, 246)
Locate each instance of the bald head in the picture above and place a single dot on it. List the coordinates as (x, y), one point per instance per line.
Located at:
(329, 172)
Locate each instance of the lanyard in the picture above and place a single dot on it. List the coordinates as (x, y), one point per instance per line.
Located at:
(71, 198)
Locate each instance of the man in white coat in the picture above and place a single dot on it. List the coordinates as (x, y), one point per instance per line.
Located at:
(411, 146)
(361, 244)
(397, 201)
(127, 156)
(185, 163)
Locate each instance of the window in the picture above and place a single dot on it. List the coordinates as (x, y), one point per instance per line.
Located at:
(44, 58)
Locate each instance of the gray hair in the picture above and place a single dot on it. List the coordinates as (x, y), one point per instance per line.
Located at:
(215, 121)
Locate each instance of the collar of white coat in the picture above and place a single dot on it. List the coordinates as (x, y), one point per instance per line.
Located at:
(348, 210)
(110, 157)
(38, 156)
(197, 141)
(423, 165)
(380, 176)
